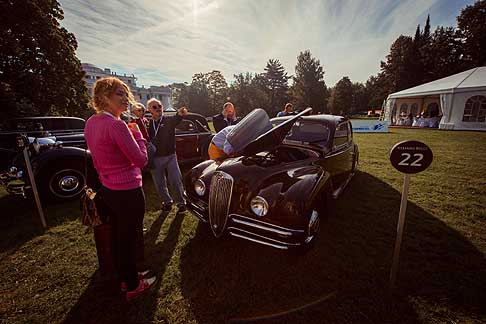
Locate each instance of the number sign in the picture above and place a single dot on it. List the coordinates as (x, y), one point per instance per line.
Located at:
(411, 156)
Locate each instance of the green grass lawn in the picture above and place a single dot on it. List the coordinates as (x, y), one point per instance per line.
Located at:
(51, 276)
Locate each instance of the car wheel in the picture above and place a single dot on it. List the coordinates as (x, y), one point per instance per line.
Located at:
(62, 181)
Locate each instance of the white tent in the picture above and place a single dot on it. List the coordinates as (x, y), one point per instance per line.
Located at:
(454, 102)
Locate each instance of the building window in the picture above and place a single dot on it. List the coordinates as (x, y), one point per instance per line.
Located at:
(475, 109)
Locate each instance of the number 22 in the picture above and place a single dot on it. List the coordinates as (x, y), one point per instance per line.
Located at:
(407, 156)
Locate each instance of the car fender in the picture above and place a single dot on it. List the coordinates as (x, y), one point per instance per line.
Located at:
(294, 194)
(45, 158)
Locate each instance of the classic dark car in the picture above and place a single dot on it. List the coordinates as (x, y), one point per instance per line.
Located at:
(59, 169)
(276, 189)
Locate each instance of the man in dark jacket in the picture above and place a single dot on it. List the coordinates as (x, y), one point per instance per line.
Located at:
(162, 135)
(226, 118)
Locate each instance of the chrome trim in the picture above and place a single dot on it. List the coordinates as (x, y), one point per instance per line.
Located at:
(268, 224)
(265, 228)
(261, 236)
(281, 247)
(220, 192)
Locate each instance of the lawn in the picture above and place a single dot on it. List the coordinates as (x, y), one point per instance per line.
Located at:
(51, 276)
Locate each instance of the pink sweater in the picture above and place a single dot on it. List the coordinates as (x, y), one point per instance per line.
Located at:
(118, 155)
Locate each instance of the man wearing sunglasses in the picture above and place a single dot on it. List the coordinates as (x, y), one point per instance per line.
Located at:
(162, 135)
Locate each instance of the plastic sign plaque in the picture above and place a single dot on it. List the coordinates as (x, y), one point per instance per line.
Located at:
(411, 156)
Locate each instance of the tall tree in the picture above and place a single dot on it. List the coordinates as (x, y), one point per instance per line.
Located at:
(180, 94)
(447, 52)
(471, 25)
(39, 71)
(198, 96)
(341, 100)
(217, 90)
(309, 88)
(377, 91)
(276, 79)
(248, 92)
(398, 68)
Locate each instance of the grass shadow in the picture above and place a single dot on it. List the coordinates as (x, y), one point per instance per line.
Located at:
(20, 221)
(102, 302)
(234, 280)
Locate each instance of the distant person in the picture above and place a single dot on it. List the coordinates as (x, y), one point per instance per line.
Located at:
(119, 153)
(288, 110)
(138, 111)
(226, 118)
(162, 134)
(220, 147)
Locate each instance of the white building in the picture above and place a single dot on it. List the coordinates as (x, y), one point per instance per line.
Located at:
(141, 94)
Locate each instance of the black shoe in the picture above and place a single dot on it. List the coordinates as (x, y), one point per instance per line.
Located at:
(166, 207)
(182, 209)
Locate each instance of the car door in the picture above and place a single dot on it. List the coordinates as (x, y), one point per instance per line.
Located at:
(187, 141)
(337, 160)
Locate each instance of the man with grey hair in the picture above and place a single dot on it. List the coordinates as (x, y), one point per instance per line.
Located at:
(162, 135)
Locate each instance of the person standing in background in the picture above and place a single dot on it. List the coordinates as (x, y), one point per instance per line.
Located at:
(138, 111)
(288, 110)
(162, 135)
(226, 118)
(119, 152)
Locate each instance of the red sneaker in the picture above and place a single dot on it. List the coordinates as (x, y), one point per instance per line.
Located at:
(141, 275)
(143, 285)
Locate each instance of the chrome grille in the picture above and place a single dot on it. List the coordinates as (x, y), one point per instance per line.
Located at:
(219, 201)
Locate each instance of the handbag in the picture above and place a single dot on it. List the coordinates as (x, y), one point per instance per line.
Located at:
(90, 216)
(91, 204)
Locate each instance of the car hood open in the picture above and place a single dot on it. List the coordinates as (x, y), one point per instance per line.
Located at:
(274, 136)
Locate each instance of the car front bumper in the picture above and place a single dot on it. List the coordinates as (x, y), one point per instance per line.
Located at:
(254, 230)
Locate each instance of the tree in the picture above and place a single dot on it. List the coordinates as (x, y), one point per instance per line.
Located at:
(248, 92)
(180, 94)
(377, 91)
(398, 69)
(198, 94)
(447, 52)
(39, 71)
(217, 90)
(341, 100)
(471, 25)
(309, 88)
(276, 79)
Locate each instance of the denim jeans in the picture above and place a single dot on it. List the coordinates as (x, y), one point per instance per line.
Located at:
(163, 164)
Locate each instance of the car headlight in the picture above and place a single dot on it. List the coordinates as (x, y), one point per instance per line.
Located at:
(199, 187)
(259, 206)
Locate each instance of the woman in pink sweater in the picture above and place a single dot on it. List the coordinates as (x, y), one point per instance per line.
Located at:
(119, 152)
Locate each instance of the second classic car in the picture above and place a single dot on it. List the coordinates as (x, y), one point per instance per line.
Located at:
(59, 169)
(276, 189)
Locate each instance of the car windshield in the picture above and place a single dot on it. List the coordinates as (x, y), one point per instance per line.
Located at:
(307, 132)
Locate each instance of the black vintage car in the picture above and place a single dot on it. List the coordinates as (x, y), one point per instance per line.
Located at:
(59, 169)
(277, 188)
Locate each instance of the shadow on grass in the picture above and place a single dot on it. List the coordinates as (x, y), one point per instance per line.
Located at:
(102, 302)
(20, 222)
(234, 280)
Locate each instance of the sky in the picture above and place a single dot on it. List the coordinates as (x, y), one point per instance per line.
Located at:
(161, 41)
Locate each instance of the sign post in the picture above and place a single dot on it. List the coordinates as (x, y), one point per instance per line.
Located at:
(23, 142)
(407, 157)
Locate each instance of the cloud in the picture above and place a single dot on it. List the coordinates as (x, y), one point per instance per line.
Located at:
(168, 41)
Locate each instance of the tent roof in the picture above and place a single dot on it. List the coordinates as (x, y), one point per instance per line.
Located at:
(470, 80)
